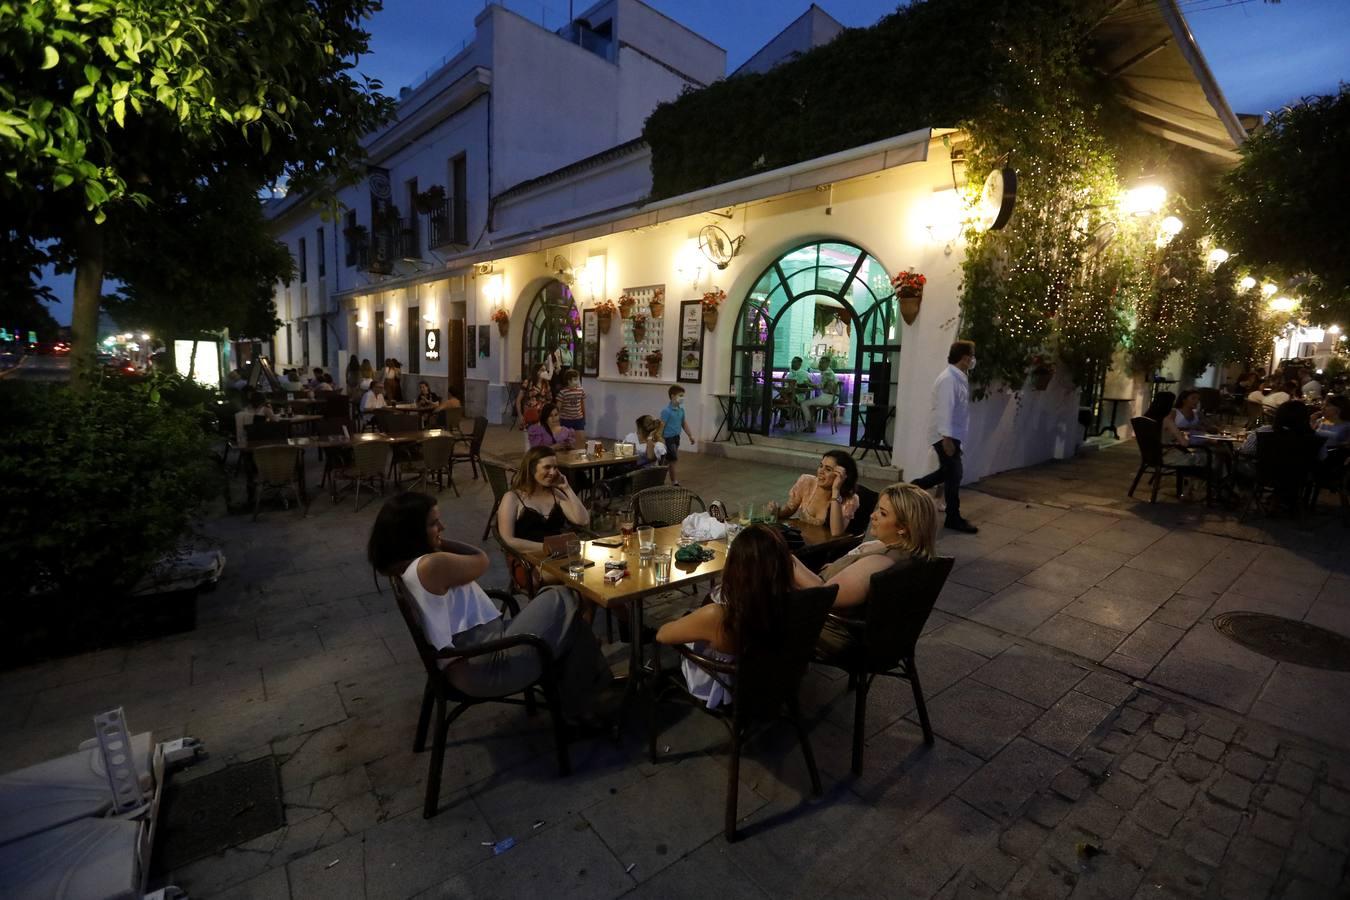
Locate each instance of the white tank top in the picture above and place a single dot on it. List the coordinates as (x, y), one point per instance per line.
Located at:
(454, 612)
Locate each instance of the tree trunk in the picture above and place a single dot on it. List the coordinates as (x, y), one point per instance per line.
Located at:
(192, 361)
(88, 293)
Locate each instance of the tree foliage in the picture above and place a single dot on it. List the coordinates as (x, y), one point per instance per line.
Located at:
(110, 102)
(1282, 208)
(197, 263)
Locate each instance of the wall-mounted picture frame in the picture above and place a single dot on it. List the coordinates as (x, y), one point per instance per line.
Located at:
(470, 346)
(590, 343)
(485, 341)
(690, 360)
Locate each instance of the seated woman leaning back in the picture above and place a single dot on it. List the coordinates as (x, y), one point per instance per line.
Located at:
(540, 504)
(440, 578)
(903, 530)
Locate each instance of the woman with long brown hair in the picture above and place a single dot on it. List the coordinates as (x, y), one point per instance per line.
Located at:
(540, 503)
(743, 614)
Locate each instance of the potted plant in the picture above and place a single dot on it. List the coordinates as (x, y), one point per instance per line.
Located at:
(626, 304)
(908, 286)
(654, 364)
(605, 311)
(622, 360)
(657, 305)
(1042, 370)
(639, 328)
(711, 300)
(431, 201)
(503, 321)
(356, 235)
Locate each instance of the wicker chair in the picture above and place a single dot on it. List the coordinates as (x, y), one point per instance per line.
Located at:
(439, 691)
(764, 683)
(435, 460)
(900, 599)
(618, 490)
(471, 445)
(370, 460)
(1148, 435)
(278, 471)
(665, 505)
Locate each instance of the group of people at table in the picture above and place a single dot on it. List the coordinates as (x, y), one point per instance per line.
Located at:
(441, 577)
(1187, 433)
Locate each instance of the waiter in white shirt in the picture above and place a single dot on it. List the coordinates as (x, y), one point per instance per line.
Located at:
(951, 421)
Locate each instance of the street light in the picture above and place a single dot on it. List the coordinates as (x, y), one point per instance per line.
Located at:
(1145, 200)
(1247, 283)
(1283, 304)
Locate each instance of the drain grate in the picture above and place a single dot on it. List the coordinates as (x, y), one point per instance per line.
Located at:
(217, 811)
(1287, 640)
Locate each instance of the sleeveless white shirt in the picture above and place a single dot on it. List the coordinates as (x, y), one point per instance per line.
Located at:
(454, 612)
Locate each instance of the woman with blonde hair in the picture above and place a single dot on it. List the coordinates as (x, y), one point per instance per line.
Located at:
(904, 529)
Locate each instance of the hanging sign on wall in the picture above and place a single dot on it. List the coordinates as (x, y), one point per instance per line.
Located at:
(691, 342)
(432, 343)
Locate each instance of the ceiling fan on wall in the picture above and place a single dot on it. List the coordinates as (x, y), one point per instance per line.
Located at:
(562, 270)
(717, 246)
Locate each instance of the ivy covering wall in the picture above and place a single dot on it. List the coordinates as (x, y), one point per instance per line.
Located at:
(1071, 279)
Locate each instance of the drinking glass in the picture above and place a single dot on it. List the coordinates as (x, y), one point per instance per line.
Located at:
(747, 514)
(626, 527)
(576, 560)
(661, 565)
(646, 541)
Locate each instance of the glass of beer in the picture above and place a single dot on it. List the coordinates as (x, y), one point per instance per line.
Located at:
(626, 528)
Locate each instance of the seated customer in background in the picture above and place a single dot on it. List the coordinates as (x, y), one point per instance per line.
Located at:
(1334, 422)
(372, 400)
(440, 577)
(540, 504)
(904, 529)
(1186, 417)
(828, 397)
(549, 431)
(648, 448)
(829, 497)
(257, 406)
(743, 613)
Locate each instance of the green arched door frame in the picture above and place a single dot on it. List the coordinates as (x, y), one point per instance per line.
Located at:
(877, 336)
(552, 316)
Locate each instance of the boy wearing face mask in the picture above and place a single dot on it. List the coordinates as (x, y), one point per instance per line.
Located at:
(672, 423)
(951, 421)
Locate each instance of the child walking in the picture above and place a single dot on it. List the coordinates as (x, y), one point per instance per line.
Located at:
(572, 402)
(672, 422)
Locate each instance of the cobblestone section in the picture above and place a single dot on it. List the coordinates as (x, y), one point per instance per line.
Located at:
(1172, 802)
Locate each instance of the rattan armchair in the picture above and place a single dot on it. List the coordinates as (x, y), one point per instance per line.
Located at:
(278, 471)
(665, 505)
(434, 460)
(370, 461)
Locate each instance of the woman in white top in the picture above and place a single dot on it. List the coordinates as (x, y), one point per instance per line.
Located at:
(1177, 428)
(440, 577)
(757, 575)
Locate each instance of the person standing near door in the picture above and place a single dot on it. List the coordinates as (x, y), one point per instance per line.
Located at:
(950, 424)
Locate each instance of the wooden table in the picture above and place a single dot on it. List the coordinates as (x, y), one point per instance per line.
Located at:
(1218, 448)
(578, 461)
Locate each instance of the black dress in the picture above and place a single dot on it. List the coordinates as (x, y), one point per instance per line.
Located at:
(532, 525)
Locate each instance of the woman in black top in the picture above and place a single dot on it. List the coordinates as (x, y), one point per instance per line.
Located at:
(540, 504)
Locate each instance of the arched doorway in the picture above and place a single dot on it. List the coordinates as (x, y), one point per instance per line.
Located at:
(828, 296)
(552, 320)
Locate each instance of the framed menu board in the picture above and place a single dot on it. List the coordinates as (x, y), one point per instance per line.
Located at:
(691, 342)
(590, 343)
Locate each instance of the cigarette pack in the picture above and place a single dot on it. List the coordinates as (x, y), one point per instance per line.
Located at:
(614, 576)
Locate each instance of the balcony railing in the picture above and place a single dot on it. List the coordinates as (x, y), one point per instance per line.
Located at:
(449, 223)
(409, 238)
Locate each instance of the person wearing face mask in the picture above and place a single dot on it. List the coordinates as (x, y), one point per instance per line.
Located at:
(672, 421)
(951, 421)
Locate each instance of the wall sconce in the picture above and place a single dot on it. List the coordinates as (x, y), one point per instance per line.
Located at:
(1334, 329)
(689, 265)
(492, 287)
(362, 322)
(1144, 200)
(391, 318)
(1247, 283)
(1268, 289)
(1283, 305)
(944, 216)
(1217, 257)
(1168, 228)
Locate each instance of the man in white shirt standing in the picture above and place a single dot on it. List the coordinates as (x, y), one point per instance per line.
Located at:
(951, 421)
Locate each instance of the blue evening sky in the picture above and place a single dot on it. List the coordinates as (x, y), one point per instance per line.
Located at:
(1263, 55)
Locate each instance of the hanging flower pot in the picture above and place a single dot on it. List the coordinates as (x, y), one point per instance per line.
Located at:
(910, 301)
(639, 329)
(657, 307)
(622, 361)
(503, 322)
(709, 318)
(626, 304)
(605, 319)
(654, 364)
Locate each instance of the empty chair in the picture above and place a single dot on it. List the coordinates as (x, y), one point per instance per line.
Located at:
(439, 690)
(434, 460)
(278, 472)
(665, 505)
(470, 447)
(499, 479)
(370, 460)
(899, 601)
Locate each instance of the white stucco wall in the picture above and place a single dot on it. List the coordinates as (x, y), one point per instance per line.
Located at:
(884, 214)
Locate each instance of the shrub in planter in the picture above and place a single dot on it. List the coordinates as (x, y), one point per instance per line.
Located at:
(96, 487)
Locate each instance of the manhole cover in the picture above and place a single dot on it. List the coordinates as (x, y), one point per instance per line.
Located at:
(1287, 640)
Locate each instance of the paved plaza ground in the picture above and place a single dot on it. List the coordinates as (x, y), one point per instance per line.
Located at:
(1097, 737)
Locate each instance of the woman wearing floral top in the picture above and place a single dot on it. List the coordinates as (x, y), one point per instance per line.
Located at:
(534, 394)
(829, 497)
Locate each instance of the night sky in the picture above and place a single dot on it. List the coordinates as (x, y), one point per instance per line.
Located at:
(1263, 55)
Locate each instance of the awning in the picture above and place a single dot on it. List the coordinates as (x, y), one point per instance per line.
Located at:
(1147, 49)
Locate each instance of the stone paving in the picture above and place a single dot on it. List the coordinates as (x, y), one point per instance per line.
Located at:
(1096, 736)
